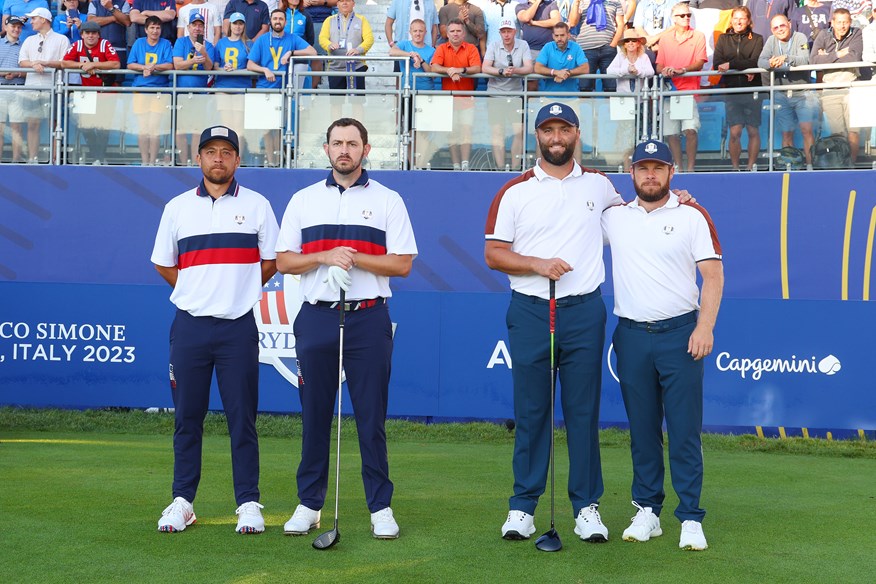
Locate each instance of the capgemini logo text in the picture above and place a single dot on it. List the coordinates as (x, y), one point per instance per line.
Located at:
(755, 368)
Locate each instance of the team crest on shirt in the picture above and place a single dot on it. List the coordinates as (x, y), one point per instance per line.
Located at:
(367, 214)
(668, 230)
(591, 205)
(239, 219)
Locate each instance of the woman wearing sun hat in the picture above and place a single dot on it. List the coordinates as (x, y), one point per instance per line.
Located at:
(631, 60)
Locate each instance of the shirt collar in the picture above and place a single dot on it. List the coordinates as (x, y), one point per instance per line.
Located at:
(540, 174)
(670, 204)
(233, 189)
(362, 181)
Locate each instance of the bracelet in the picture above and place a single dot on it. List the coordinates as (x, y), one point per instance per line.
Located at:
(552, 73)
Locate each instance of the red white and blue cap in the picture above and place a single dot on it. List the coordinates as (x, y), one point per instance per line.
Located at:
(653, 150)
(220, 133)
(556, 111)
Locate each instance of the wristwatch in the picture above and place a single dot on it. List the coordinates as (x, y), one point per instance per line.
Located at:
(501, 72)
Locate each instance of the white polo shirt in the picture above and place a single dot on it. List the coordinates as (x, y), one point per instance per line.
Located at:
(43, 47)
(218, 246)
(546, 217)
(367, 216)
(654, 257)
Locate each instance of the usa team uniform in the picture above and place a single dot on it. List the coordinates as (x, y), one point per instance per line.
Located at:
(372, 219)
(656, 300)
(218, 247)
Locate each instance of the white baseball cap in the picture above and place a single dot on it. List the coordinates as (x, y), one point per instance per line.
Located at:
(506, 23)
(41, 12)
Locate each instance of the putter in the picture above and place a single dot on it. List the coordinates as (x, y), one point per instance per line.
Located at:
(326, 540)
(550, 541)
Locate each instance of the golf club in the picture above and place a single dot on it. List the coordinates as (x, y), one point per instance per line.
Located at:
(330, 538)
(550, 541)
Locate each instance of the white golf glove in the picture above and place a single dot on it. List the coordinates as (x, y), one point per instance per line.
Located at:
(338, 278)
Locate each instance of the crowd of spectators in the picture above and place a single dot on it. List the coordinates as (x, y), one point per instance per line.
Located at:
(505, 39)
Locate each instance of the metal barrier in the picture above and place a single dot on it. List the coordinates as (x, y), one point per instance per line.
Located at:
(409, 128)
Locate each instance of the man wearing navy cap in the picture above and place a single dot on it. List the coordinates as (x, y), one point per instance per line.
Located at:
(215, 247)
(665, 329)
(545, 225)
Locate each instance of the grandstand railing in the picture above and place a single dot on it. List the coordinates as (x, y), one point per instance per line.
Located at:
(408, 128)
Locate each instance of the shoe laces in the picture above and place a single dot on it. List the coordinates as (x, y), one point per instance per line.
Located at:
(691, 526)
(641, 515)
(590, 513)
(178, 506)
(383, 516)
(249, 508)
(301, 512)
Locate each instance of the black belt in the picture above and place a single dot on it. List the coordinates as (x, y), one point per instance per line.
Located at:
(564, 301)
(659, 326)
(354, 305)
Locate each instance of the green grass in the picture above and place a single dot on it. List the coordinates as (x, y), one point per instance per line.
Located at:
(81, 492)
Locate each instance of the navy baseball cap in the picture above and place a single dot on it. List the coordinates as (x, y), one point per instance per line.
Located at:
(653, 150)
(15, 20)
(556, 111)
(195, 16)
(220, 133)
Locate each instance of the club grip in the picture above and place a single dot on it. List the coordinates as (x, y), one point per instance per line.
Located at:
(553, 305)
(343, 306)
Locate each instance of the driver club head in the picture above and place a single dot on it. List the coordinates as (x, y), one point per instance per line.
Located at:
(549, 542)
(326, 540)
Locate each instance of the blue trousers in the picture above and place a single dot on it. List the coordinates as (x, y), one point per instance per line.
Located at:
(599, 59)
(198, 345)
(579, 339)
(658, 377)
(367, 364)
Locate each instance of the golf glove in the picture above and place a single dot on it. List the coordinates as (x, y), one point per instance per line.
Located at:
(338, 278)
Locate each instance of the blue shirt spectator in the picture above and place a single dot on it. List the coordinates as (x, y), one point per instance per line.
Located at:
(21, 8)
(234, 54)
(268, 50)
(168, 29)
(426, 52)
(143, 53)
(69, 12)
(184, 49)
(400, 14)
(553, 58)
(257, 13)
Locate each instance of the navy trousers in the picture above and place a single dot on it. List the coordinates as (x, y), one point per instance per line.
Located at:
(657, 377)
(198, 345)
(579, 339)
(367, 364)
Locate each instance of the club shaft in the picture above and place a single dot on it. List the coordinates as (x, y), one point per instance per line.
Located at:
(340, 393)
(552, 317)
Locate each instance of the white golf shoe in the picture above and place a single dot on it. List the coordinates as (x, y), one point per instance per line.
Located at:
(645, 525)
(519, 525)
(177, 516)
(249, 518)
(589, 525)
(302, 521)
(383, 525)
(692, 536)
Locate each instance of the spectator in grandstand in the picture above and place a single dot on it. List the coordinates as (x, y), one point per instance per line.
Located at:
(631, 61)
(420, 55)
(738, 49)
(762, 11)
(859, 11)
(681, 50)
(652, 18)
(472, 19)
(192, 53)
(561, 61)
(299, 21)
(91, 55)
(271, 53)
(231, 55)
(811, 18)
(42, 52)
(346, 34)
(20, 8)
(843, 43)
(406, 11)
(507, 59)
(793, 109)
(212, 21)
(496, 12)
(151, 55)
(10, 105)
(319, 11)
(258, 17)
(457, 58)
(869, 39)
(69, 20)
(602, 25)
(537, 19)
(163, 10)
(114, 18)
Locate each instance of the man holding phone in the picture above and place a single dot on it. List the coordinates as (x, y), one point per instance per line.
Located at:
(68, 21)
(192, 53)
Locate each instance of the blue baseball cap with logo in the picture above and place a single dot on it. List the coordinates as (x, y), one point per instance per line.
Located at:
(556, 112)
(219, 133)
(237, 17)
(195, 16)
(653, 150)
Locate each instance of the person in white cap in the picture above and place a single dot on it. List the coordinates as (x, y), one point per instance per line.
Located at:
(42, 52)
(509, 59)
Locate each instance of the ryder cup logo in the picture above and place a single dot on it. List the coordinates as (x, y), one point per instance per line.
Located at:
(668, 229)
(239, 219)
(591, 205)
(555, 110)
(650, 148)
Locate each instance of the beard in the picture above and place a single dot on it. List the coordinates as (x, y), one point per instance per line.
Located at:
(349, 166)
(219, 176)
(653, 194)
(557, 159)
